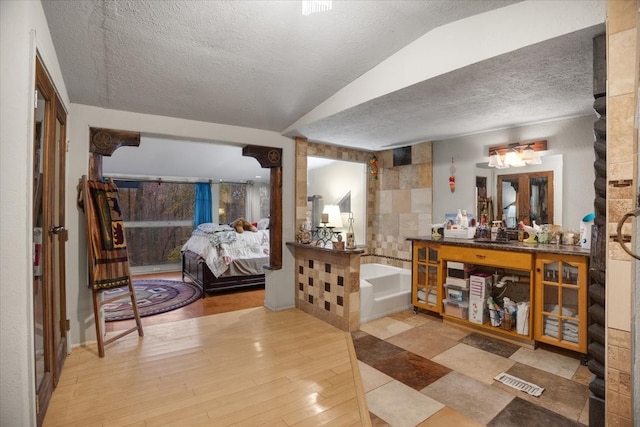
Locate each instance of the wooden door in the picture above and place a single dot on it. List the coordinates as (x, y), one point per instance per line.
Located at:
(49, 238)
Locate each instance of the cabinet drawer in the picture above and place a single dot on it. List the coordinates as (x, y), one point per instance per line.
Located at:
(498, 258)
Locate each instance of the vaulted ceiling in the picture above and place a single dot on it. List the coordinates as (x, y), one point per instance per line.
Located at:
(366, 74)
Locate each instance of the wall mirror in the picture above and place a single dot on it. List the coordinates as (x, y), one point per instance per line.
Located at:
(526, 197)
(341, 183)
(533, 192)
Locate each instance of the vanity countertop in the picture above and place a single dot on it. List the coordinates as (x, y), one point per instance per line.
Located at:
(514, 245)
(356, 251)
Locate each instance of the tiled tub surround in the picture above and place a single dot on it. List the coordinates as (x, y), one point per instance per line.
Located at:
(328, 284)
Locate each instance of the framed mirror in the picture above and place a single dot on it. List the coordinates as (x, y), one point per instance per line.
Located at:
(526, 197)
(342, 183)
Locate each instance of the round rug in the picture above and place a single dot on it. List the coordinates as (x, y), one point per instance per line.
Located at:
(153, 297)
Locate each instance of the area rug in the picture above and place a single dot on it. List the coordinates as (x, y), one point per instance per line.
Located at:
(153, 296)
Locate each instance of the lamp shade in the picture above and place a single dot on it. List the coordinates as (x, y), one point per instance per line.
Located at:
(528, 153)
(334, 216)
(494, 158)
(512, 159)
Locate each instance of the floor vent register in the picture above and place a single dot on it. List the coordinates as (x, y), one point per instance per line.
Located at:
(517, 383)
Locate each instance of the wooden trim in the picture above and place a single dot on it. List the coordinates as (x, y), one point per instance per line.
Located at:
(45, 87)
(268, 157)
(271, 158)
(61, 349)
(106, 141)
(503, 148)
(275, 221)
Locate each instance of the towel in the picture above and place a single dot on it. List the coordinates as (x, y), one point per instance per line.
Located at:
(109, 261)
(431, 298)
(570, 329)
(522, 321)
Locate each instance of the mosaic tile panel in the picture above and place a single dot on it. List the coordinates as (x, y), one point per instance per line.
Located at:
(328, 286)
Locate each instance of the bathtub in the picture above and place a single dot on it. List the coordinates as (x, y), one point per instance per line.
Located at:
(384, 290)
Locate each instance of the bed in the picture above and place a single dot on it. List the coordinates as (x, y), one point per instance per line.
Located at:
(217, 258)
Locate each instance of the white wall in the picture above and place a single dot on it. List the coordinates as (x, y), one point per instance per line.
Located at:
(573, 138)
(279, 284)
(23, 29)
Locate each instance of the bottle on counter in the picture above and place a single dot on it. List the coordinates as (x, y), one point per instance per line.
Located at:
(459, 218)
(465, 220)
(520, 232)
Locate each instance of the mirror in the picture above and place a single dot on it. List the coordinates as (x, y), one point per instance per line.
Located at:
(342, 183)
(548, 198)
(526, 197)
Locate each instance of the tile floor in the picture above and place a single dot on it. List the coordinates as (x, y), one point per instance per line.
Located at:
(418, 371)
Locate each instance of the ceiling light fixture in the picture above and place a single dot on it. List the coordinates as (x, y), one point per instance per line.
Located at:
(516, 155)
(512, 158)
(495, 161)
(314, 6)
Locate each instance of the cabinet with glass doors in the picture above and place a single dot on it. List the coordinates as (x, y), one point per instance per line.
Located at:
(426, 276)
(561, 312)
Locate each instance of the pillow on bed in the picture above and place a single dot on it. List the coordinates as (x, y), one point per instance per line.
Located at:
(263, 224)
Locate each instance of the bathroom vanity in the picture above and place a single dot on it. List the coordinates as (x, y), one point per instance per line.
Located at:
(553, 279)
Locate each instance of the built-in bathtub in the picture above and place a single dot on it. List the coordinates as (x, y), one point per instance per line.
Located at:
(384, 290)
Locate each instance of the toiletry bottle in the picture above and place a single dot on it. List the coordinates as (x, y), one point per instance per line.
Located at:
(520, 232)
(459, 218)
(465, 220)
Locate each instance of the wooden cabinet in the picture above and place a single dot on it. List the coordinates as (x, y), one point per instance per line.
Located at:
(515, 268)
(488, 257)
(561, 299)
(426, 277)
(553, 280)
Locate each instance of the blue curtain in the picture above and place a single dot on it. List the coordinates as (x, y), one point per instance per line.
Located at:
(202, 209)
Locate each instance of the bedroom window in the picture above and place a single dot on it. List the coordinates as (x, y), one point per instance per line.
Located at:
(232, 203)
(248, 200)
(158, 221)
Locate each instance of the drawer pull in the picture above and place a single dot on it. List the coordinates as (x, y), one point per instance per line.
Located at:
(480, 256)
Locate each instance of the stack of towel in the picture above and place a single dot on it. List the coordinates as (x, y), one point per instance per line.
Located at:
(432, 300)
(570, 329)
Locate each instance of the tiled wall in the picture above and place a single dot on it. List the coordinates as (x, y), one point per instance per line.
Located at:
(328, 286)
(327, 283)
(399, 202)
(304, 149)
(402, 208)
(622, 139)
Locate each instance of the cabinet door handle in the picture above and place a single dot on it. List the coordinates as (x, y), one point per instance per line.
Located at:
(480, 256)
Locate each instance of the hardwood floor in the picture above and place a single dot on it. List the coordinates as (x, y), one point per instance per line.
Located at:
(248, 367)
(195, 368)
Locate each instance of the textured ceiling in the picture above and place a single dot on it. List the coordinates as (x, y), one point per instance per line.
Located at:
(258, 64)
(261, 64)
(541, 82)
